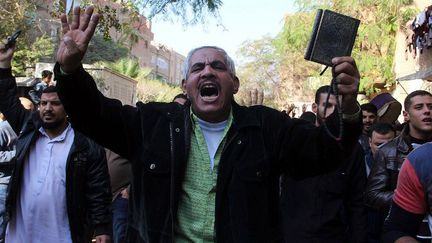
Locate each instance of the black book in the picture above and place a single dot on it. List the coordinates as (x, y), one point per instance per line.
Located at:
(333, 35)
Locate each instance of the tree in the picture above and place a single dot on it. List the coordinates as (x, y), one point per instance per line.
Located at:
(295, 79)
(26, 56)
(23, 14)
(188, 11)
(104, 50)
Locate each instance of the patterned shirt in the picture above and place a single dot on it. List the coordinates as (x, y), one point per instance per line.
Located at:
(196, 213)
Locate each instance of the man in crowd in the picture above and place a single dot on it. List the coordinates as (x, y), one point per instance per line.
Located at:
(120, 175)
(379, 134)
(46, 81)
(7, 155)
(369, 117)
(8, 139)
(389, 158)
(207, 171)
(59, 189)
(340, 215)
(412, 199)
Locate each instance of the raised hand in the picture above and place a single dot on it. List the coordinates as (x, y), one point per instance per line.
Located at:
(347, 78)
(6, 55)
(76, 37)
(290, 109)
(256, 97)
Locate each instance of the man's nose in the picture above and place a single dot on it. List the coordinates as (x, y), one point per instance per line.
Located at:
(48, 106)
(208, 71)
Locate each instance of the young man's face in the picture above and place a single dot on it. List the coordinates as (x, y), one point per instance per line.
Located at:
(420, 117)
(369, 118)
(210, 86)
(51, 111)
(323, 103)
(377, 139)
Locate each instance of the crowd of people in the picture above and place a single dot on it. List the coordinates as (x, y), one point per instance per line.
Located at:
(80, 166)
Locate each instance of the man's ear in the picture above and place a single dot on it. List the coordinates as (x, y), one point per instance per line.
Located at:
(236, 84)
(314, 108)
(405, 115)
(184, 86)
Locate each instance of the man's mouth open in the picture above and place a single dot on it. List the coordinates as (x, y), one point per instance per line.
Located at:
(209, 92)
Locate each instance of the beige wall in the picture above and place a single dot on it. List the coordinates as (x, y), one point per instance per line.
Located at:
(407, 66)
(166, 63)
(114, 85)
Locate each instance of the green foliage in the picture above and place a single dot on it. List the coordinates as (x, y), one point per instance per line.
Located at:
(154, 90)
(187, 11)
(101, 49)
(128, 67)
(27, 56)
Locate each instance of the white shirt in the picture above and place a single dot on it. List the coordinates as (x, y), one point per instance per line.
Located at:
(41, 212)
(213, 133)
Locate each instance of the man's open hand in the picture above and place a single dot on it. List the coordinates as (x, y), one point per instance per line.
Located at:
(77, 34)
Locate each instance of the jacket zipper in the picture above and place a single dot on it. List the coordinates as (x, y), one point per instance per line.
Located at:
(172, 181)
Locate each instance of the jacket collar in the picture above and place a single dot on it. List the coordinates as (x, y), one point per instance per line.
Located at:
(403, 140)
(243, 117)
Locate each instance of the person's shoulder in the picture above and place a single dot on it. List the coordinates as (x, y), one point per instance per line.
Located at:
(389, 146)
(421, 154)
(421, 160)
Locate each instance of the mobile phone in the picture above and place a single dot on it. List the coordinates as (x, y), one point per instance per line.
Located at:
(12, 39)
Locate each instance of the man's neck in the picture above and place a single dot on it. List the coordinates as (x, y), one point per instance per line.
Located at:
(420, 135)
(55, 132)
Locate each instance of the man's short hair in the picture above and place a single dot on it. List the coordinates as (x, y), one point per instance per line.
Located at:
(407, 101)
(180, 96)
(50, 89)
(322, 90)
(381, 128)
(369, 107)
(228, 61)
(46, 73)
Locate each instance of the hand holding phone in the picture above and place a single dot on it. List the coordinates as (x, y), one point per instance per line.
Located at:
(12, 39)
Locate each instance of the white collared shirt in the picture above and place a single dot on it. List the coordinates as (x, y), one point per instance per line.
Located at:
(41, 211)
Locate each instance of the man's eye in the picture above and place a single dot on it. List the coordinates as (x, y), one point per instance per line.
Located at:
(196, 68)
(219, 65)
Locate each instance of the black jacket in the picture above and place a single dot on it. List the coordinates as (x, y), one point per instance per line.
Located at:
(326, 208)
(155, 137)
(382, 179)
(88, 192)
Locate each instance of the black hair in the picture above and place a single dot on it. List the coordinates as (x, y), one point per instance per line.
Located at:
(369, 107)
(50, 89)
(381, 128)
(407, 101)
(46, 73)
(322, 90)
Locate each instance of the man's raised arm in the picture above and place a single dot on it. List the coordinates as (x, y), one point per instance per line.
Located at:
(105, 120)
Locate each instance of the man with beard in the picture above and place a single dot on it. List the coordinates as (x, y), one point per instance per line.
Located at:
(369, 118)
(390, 156)
(340, 215)
(59, 189)
(207, 171)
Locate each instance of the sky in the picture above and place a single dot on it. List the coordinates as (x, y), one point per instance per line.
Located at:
(243, 20)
